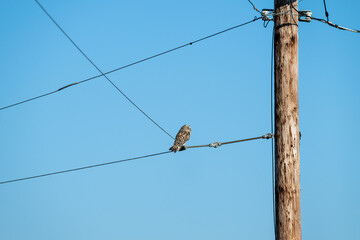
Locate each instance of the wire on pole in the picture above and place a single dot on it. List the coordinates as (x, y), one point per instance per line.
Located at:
(218, 144)
(92, 63)
(272, 128)
(82, 168)
(215, 145)
(302, 13)
(326, 12)
(335, 25)
(254, 7)
(133, 63)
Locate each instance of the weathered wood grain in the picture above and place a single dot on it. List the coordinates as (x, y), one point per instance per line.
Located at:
(287, 175)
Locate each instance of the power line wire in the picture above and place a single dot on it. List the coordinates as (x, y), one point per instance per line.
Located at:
(107, 78)
(254, 7)
(30, 99)
(326, 21)
(335, 25)
(133, 63)
(272, 128)
(215, 145)
(326, 12)
(82, 168)
(218, 144)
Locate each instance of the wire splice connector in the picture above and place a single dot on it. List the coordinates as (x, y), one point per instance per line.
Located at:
(215, 144)
(69, 85)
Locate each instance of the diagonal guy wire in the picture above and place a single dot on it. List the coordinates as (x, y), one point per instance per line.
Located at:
(102, 74)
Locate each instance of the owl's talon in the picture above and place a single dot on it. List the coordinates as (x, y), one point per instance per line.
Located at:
(182, 148)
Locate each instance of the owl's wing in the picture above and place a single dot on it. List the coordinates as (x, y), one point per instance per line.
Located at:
(187, 136)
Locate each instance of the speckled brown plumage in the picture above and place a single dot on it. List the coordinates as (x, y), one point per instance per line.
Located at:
(181, 138)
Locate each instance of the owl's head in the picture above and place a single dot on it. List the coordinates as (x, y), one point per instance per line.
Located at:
(186, 127)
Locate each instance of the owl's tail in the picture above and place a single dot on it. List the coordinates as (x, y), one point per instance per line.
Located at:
(174, 149)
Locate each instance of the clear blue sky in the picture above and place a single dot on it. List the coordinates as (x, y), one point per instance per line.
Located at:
(221, 87)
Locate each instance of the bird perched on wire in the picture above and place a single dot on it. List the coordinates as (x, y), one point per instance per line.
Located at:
(181, 138)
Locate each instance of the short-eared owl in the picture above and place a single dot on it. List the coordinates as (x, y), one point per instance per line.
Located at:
(181, 138)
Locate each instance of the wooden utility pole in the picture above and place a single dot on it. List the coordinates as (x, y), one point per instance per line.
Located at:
(287, 135)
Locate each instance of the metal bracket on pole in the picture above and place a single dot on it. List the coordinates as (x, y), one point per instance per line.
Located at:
(267, 14)
(268, 136)
(305, 16)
